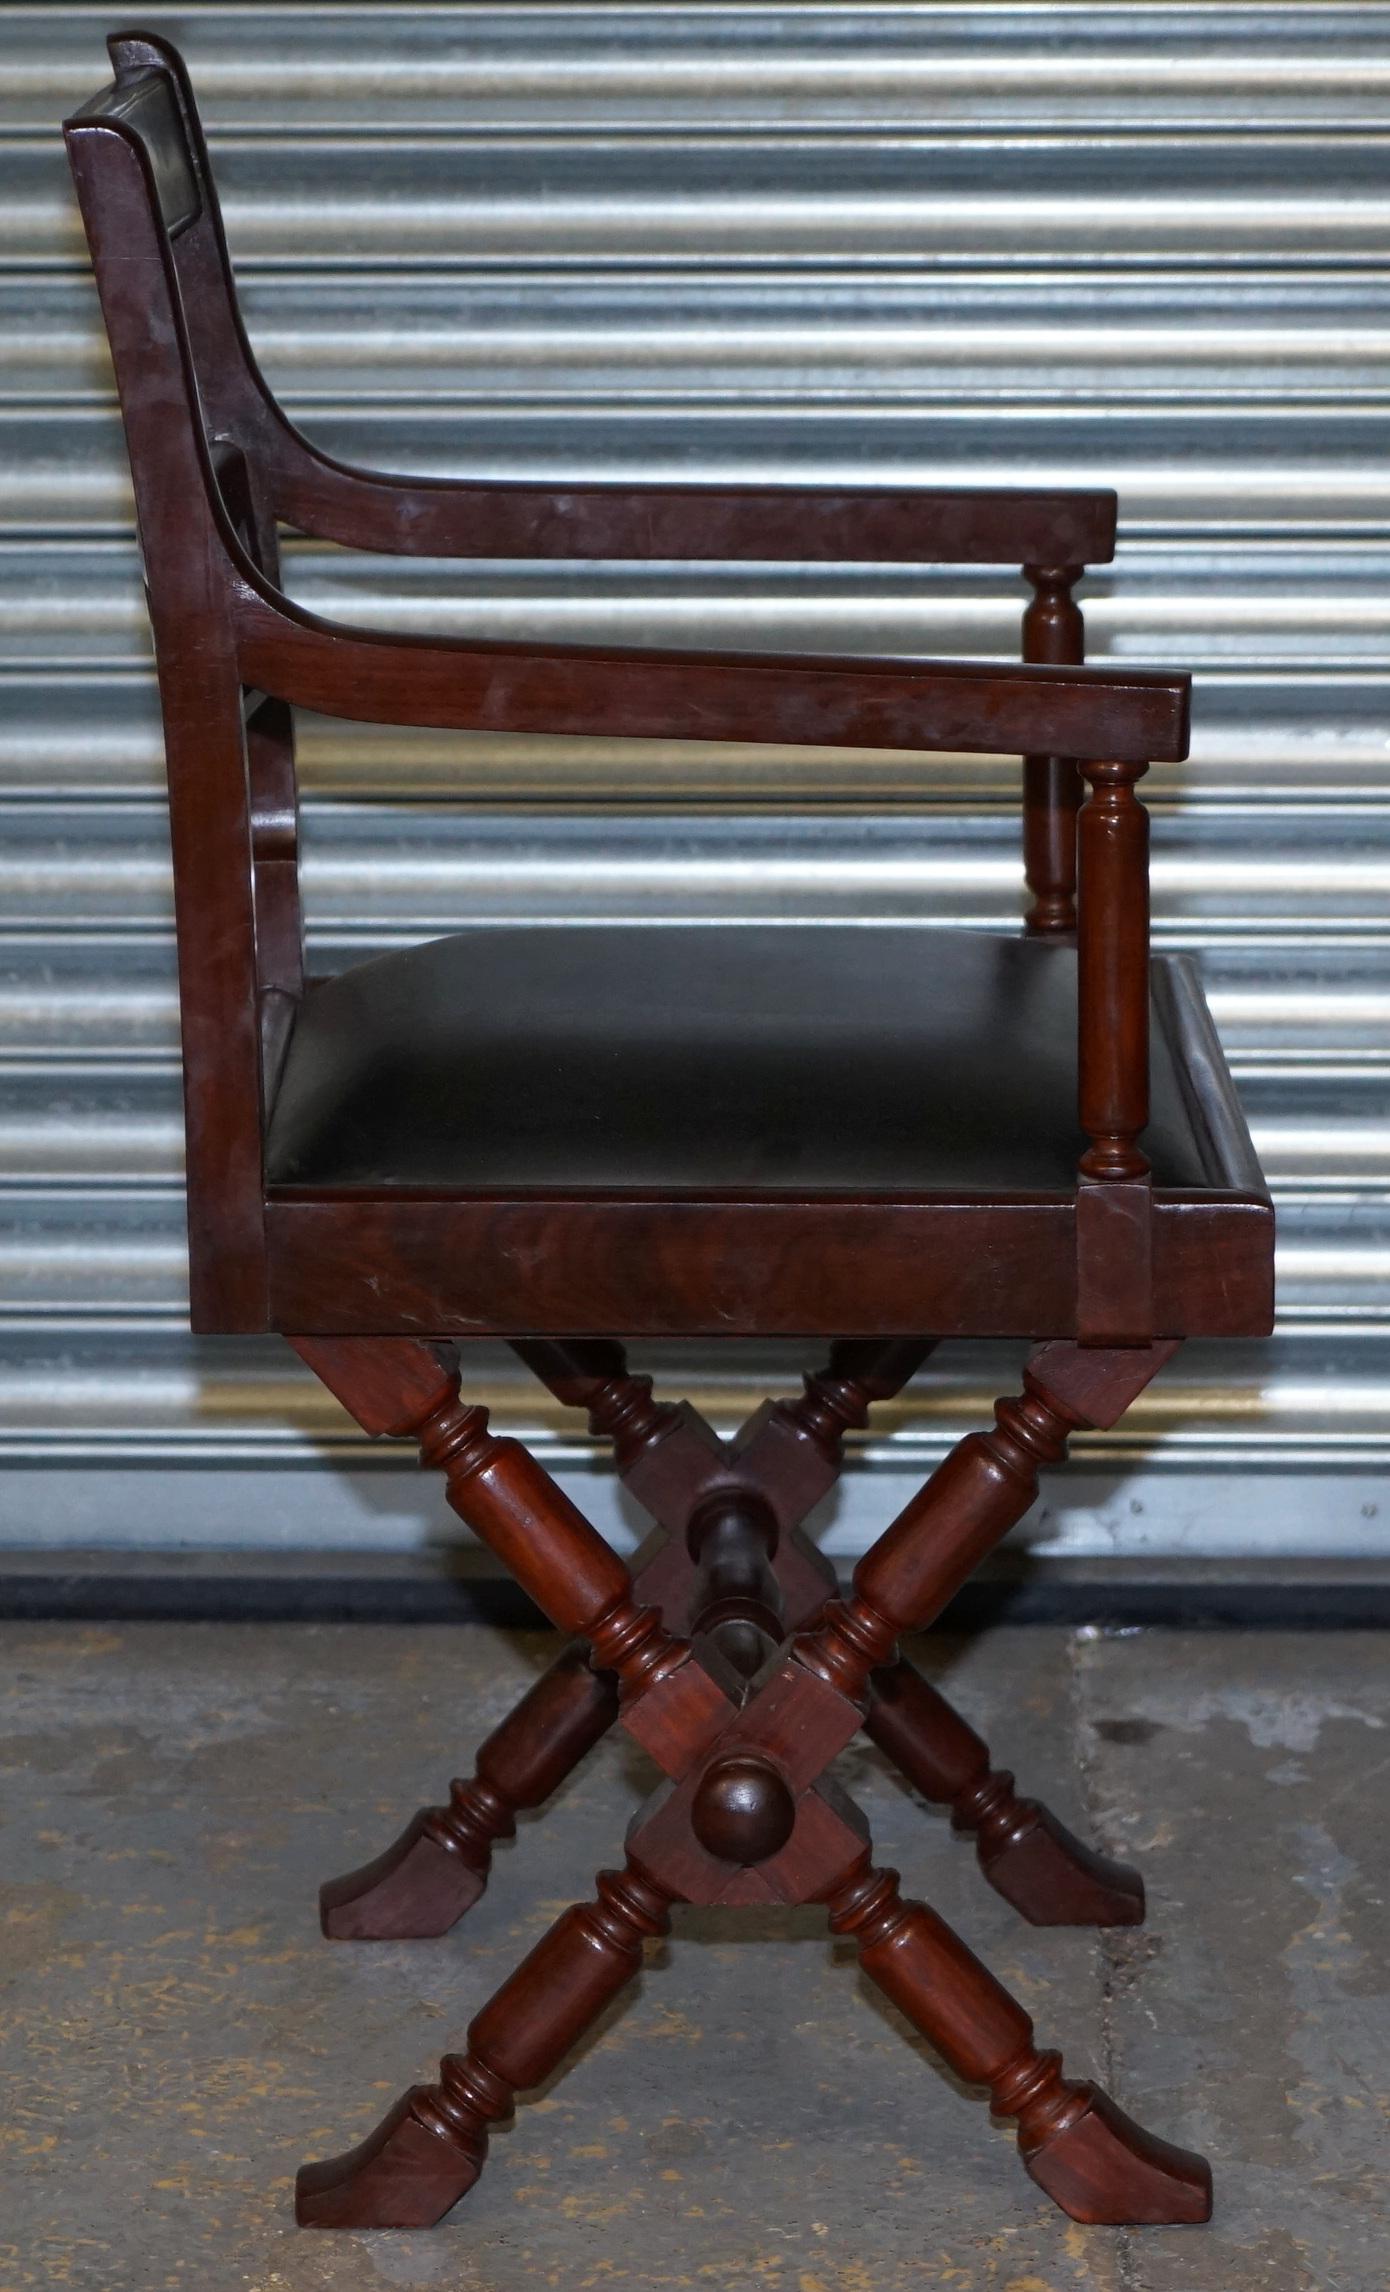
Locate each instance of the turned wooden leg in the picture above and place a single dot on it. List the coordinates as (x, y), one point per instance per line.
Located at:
(406, 1388)
(1027, 1855)
(439, 1865)
(974, 1497)
(429, 2149)
(1092, 2160)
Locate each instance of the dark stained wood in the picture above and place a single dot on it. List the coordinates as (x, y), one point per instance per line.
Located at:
(424, 1881)
(761, 524)
(1115, 1301)
(1114, 1205)
(983, 1489)
(749, 1816)
(1053, 631)
(1092, 2159)
(200, 692)
(1135, 715)
(789, 1454)
(505, 1497)
(773, 1266)
(731, 1660)
(596, 1378)
(430, 2148)
(1113, 953)
(1028, 1856)
(735, 1597)
(210, 453)
(441, 517)
(743, 1810)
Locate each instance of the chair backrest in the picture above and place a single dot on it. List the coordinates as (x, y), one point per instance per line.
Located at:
(217, 465)
(198, 424)
(151, 104)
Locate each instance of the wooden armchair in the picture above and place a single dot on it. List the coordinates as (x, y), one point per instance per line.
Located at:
(573, 1137)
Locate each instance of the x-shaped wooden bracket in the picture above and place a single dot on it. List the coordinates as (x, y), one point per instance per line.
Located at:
(749, 1794)
(739, 1506)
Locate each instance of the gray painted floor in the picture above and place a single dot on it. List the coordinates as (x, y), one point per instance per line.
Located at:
(177, 2037)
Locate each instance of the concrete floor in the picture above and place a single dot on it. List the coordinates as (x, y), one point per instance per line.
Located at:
(177, 2037)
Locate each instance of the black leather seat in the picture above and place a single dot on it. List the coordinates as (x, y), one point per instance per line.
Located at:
(777, 1059)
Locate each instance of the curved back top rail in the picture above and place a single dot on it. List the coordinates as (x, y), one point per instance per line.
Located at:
(217, 468)
(152, 99)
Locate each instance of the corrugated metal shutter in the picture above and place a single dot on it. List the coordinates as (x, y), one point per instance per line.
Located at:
(1135, 245)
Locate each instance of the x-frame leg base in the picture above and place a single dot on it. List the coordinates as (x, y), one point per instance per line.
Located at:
(744, 1718)
(786, 1458)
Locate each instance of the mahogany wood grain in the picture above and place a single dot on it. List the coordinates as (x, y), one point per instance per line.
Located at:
(424, 1881)
(369, 1281)
(757, 524)
(429, 2150)
(595, 1377)
(1115, 1244)
(270, 773)
(506, 1498)
(200, 692)
(364, 509)
(1092, 2160)
(440, 517)
(786, 1458)
(749, 1816)
(735, 1596)
(1114, 1206)
(983, 1489)
(1050, 1876)
(422, 1884)
(1029, 1857)
(771, 1266)
(813, 700)
(1053, 631)
(1113, 954)
(212, 456)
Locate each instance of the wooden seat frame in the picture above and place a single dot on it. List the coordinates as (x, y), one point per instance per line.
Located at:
(731, 1658)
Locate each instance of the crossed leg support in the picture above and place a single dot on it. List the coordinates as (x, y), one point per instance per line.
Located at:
(701, 1490)
(744, 1718)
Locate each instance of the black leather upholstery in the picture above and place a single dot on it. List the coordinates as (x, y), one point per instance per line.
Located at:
(693, 1057)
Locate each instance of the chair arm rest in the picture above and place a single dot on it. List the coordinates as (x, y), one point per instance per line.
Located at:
(787, 523)
(816, 701)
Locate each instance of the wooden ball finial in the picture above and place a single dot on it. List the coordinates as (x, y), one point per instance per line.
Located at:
(743, 1811)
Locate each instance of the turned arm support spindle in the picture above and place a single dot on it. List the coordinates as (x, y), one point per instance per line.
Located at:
(1113, 973)
(1054, 636)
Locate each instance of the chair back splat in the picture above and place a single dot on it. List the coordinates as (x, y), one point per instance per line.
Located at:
(574, 1136)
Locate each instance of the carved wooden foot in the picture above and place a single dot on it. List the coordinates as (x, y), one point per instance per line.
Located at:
(1052, 1878)
(1103, 2167)
(439, 1865)
(1027, 1855)
(429, 2149)
(1091, 2159)
(417, 1888)
(406, 2174)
